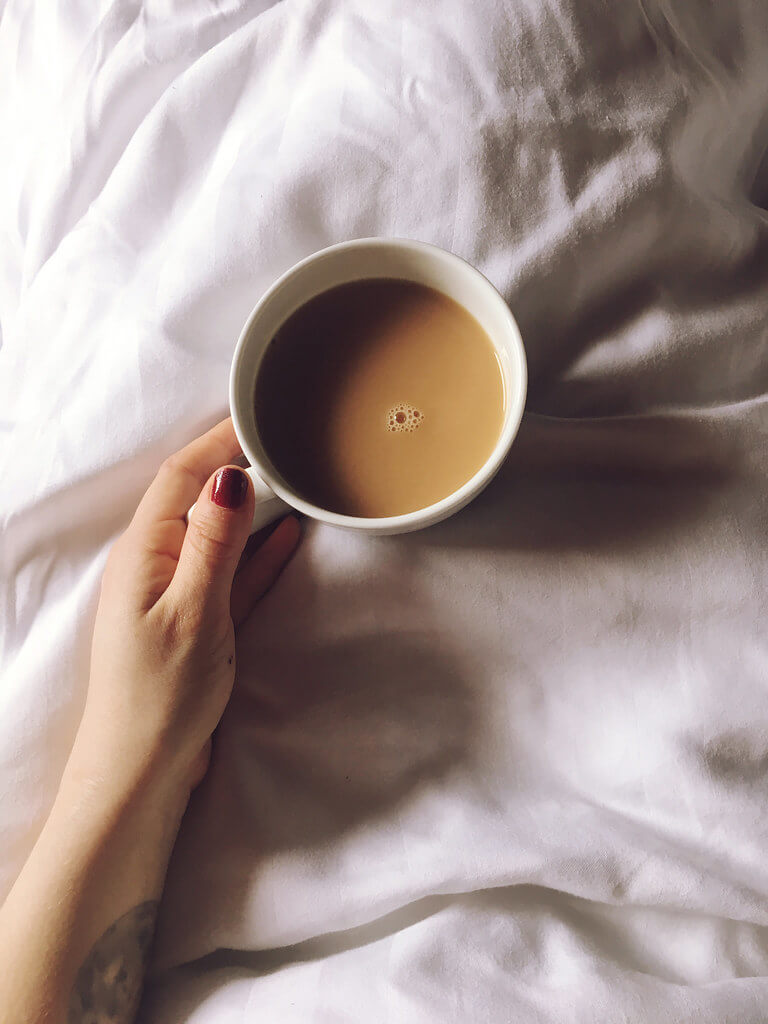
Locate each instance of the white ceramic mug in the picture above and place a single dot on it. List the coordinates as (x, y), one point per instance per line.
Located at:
(352, 261)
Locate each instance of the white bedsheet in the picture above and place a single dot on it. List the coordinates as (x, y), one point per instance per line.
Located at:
(513, 768)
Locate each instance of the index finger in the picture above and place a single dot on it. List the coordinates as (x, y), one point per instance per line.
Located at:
(182, 476)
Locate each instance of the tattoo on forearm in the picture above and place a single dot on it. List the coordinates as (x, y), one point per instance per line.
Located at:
(108, 985)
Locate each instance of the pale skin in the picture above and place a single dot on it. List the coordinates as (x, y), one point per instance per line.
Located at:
(76, 928)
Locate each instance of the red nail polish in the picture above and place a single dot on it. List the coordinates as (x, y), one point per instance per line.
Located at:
(230, 487)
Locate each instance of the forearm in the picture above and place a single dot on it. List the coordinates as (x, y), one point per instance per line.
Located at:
(99, 864)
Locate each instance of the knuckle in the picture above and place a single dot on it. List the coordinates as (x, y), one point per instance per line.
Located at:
(191, 625)
(187, 620)
(169, 465)
(180, 626)
(207, 541)
(175, 465)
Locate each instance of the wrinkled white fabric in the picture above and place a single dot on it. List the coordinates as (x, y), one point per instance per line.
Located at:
(512, 768)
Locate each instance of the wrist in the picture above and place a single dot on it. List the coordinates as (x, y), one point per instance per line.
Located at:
(116, 786)
(135, 764)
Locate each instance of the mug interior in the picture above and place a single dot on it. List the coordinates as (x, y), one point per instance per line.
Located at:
(354, 261)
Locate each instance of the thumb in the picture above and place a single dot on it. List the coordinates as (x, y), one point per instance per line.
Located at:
(215, 538)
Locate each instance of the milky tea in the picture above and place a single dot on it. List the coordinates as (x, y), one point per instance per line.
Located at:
(379, 397)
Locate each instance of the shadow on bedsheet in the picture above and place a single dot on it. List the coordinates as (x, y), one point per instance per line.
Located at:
(320, 737)
(336, 733)
(600, 926)
(602, 484)
(616, 935)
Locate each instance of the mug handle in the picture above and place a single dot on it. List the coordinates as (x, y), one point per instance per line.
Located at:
(268, 506)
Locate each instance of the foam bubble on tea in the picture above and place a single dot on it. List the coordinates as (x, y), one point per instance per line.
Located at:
(403, 417)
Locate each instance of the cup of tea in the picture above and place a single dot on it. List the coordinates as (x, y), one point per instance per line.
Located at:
(377, 385)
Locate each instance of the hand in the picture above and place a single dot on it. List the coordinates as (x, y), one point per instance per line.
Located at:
(163, 656)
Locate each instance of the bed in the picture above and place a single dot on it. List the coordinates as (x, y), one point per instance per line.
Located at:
(511, 768)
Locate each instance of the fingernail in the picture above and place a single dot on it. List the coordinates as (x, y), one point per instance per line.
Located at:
(230, 487)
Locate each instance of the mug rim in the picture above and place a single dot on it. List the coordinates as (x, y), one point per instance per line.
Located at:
(456, 500)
